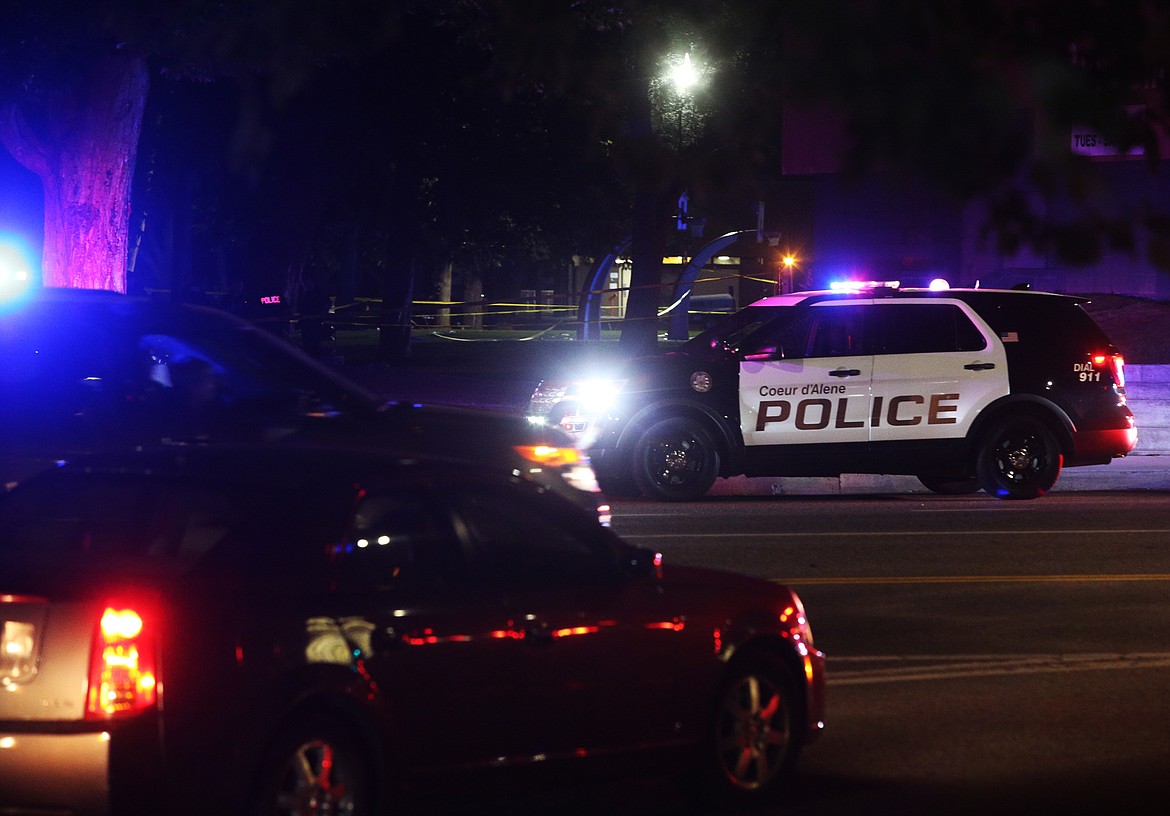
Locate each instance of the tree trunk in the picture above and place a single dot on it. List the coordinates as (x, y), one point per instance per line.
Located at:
(473, 300)
(640, 326)
(443, 320)
(85, 159)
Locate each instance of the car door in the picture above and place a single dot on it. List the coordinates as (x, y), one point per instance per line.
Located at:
(598, 641)
(936, 367)
(435, 646)
(807, 380)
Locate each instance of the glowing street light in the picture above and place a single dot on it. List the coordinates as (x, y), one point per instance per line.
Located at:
(683, 74)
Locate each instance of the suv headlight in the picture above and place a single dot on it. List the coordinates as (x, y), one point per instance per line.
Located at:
(586, 396)
(595, 396)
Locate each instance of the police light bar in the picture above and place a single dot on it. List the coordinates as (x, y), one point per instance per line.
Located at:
(857, 286)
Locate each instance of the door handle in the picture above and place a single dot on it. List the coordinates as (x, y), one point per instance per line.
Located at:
(979, 366)
(845, 372)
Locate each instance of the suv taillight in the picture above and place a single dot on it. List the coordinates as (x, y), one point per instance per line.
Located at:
(123, 672)
(1116, 365)
(1119, 371)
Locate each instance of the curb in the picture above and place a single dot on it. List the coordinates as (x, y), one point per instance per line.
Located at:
(1136, 472)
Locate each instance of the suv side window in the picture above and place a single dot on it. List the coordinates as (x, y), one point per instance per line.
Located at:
(836, 331)
(925, 328)
(826, 331)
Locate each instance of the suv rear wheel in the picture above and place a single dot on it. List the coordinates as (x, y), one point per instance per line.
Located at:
(1019, 458)
(675, 459)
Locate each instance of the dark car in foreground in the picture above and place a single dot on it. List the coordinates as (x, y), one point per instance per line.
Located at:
(84, 371)
(292, 631)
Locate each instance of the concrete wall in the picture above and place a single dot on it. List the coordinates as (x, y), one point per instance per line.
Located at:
(1147, 389)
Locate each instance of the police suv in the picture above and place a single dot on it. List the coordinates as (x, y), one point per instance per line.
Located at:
(963, 388)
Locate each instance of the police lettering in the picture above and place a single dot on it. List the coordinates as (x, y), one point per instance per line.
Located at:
(898, 411)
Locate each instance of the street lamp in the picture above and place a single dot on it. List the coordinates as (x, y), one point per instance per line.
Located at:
(683, 74)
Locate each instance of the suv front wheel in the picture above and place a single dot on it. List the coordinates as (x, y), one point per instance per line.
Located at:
(1018, 458)
(675, 459)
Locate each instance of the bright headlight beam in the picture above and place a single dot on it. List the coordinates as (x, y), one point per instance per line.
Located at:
(596, 395)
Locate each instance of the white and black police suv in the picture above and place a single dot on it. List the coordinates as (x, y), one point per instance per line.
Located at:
(963, 388)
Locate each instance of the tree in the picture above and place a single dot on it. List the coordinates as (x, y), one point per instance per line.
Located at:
(73, 116)
(74, 83)
(982, 99)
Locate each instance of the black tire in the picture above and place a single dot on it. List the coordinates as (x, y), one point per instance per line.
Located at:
(950, 485)
(1019, 458)
(675, 459)
(316, 767)
(756, 735)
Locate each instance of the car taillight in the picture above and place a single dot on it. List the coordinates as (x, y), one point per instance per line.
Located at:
(123, 673)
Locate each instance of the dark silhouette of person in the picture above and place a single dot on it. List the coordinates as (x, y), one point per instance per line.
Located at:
(314, 307)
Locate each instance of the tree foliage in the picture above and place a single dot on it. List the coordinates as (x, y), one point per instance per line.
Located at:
(982, 99)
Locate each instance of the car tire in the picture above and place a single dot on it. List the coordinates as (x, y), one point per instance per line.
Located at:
(950, 485)
(1019, 458)
(316, 766)
(755, 738)
(675, 459)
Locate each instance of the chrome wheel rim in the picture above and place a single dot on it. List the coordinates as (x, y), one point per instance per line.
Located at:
(754, 733)
(1020, 457)
(315, 782)
(676, 461)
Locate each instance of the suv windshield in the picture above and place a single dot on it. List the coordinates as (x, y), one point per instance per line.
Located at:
(729, 333)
